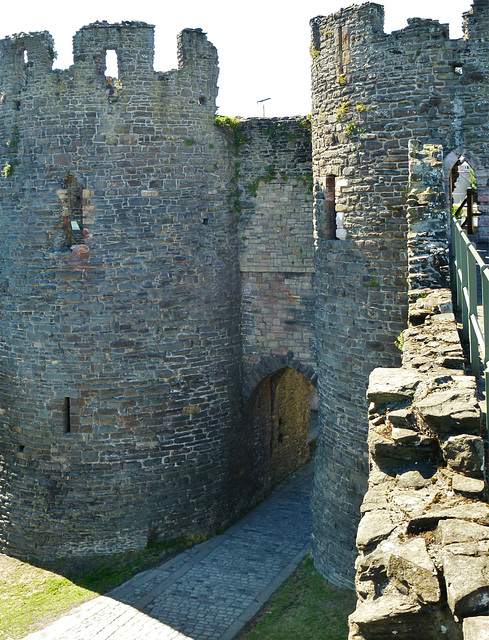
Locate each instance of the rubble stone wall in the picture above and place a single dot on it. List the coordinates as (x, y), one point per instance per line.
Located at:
(373, 93)
(422, 539)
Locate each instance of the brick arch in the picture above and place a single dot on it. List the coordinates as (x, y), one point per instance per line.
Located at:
(269, 364)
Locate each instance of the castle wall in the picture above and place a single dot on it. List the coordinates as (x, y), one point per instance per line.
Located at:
(276, 252)
(372, 93)
(271, 194)
(120, 342)
(122, 266)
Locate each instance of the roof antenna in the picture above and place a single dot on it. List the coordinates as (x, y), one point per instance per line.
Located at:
(263, 104)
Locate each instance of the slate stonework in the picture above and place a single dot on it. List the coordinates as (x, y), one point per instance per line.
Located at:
(122, 407)
(384, 106)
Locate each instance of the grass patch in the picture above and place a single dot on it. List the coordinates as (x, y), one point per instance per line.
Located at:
(304, 607)
(31, 597)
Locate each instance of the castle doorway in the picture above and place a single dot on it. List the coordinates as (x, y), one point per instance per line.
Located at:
(462, 177)
(463, 192)
(279, 414)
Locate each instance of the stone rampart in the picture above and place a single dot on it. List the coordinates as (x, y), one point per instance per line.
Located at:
(423, 535)
(121, 407)
(373, 93)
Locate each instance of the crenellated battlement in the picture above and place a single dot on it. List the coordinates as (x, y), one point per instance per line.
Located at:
(27, 58)
(133, 43)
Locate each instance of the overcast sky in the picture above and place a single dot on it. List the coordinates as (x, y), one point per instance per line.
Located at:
(263, 45)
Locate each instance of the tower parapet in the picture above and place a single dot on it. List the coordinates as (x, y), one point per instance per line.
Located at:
(133, 43)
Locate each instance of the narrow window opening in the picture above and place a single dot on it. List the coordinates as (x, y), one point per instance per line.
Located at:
(340, 50)
(458, 69)
(75, 211)
(330, 207)
(112, 75)
(111, 64)
(205, 220)
(202, 100)
(67, 414)
(26, 57)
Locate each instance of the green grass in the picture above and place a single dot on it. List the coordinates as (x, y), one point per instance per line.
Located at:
(32, 597)
(305, 607)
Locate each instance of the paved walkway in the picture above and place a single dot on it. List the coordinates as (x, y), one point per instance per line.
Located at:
(207, 592)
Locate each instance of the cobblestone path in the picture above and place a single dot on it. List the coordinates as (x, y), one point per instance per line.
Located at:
(207, 592)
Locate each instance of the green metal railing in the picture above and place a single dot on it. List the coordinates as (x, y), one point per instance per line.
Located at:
(468, 268)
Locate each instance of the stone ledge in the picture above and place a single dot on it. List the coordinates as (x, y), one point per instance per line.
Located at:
(423, 538)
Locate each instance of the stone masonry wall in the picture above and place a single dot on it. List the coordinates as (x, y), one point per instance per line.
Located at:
(422, 539)
(271, 194)
(120, 318)
(119, 351)
(373, 93)
(276, 252)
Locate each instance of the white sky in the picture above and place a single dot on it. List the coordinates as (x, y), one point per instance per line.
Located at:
(263, 46)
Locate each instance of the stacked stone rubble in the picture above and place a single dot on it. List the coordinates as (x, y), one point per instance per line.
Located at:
(423, 537)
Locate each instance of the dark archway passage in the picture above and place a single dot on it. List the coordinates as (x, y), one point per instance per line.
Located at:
(278, 415)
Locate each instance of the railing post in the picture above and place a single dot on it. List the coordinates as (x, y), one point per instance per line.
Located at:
(464, 277)
(470, 210)
(457, 258)
(472, 310)
(485, 311)
(453, 261)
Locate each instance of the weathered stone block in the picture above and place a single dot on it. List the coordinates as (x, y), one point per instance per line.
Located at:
(384, 618)
(412, 571)
(373, 527)
(467, 581)
(464, 453)
(476, 628)
(451, 411)
(453, 531)
(392, 385)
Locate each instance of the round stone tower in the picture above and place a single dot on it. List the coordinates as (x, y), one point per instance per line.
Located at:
(373, 93)
(119, 299)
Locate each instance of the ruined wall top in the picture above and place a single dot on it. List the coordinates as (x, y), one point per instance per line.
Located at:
(369, 18)
(27, 57)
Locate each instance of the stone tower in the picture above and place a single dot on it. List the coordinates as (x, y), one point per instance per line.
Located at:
(145, 385)
(119, 332)
(373, 93)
